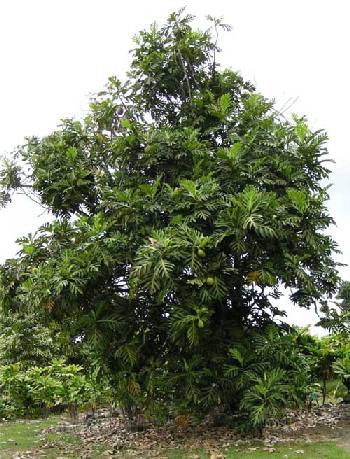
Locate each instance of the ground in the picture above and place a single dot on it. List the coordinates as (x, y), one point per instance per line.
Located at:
(323, 434)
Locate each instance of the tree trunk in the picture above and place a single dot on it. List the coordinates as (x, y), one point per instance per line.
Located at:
(324, 390)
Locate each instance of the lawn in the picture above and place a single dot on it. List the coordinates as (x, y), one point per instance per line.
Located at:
(25, 436)
(22, 435)
(320, 450)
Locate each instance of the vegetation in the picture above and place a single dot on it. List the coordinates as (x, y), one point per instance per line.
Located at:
(182, 206)
(43, 388)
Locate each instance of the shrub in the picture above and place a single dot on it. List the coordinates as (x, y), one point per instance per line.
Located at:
(39, 389)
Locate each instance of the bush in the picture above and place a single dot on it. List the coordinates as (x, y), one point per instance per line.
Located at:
(261, 376)
(40, 389)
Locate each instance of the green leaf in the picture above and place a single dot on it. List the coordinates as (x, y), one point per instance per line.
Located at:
(29, 249)
(225, 103)
(125, 123)
(71, 153)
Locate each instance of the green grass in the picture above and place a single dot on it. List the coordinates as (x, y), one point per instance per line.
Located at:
(22, 435)
(62, 444)
(320, 450)
(25, 435)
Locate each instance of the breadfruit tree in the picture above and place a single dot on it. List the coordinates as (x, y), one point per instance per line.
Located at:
(183, 204)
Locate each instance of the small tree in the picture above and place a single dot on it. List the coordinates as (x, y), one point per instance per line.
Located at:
(325, 353)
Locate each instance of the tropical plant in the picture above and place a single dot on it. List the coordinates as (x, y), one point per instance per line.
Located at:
(325, 352)
(341, 365)
(183, 203)
(40, 389)
(270, 372)
(266, 397)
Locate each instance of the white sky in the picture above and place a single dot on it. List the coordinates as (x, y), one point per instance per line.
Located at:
(54, 53)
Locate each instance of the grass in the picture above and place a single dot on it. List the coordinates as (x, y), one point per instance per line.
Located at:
(317, 450)
(22, 435)
(25, 435)
(320, 450)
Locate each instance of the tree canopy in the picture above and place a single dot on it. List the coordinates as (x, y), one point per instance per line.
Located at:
(183, 204)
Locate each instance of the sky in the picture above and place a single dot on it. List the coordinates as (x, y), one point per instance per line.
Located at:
(56, 53)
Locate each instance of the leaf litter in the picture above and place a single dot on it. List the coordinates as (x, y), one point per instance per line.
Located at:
(116, 437)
